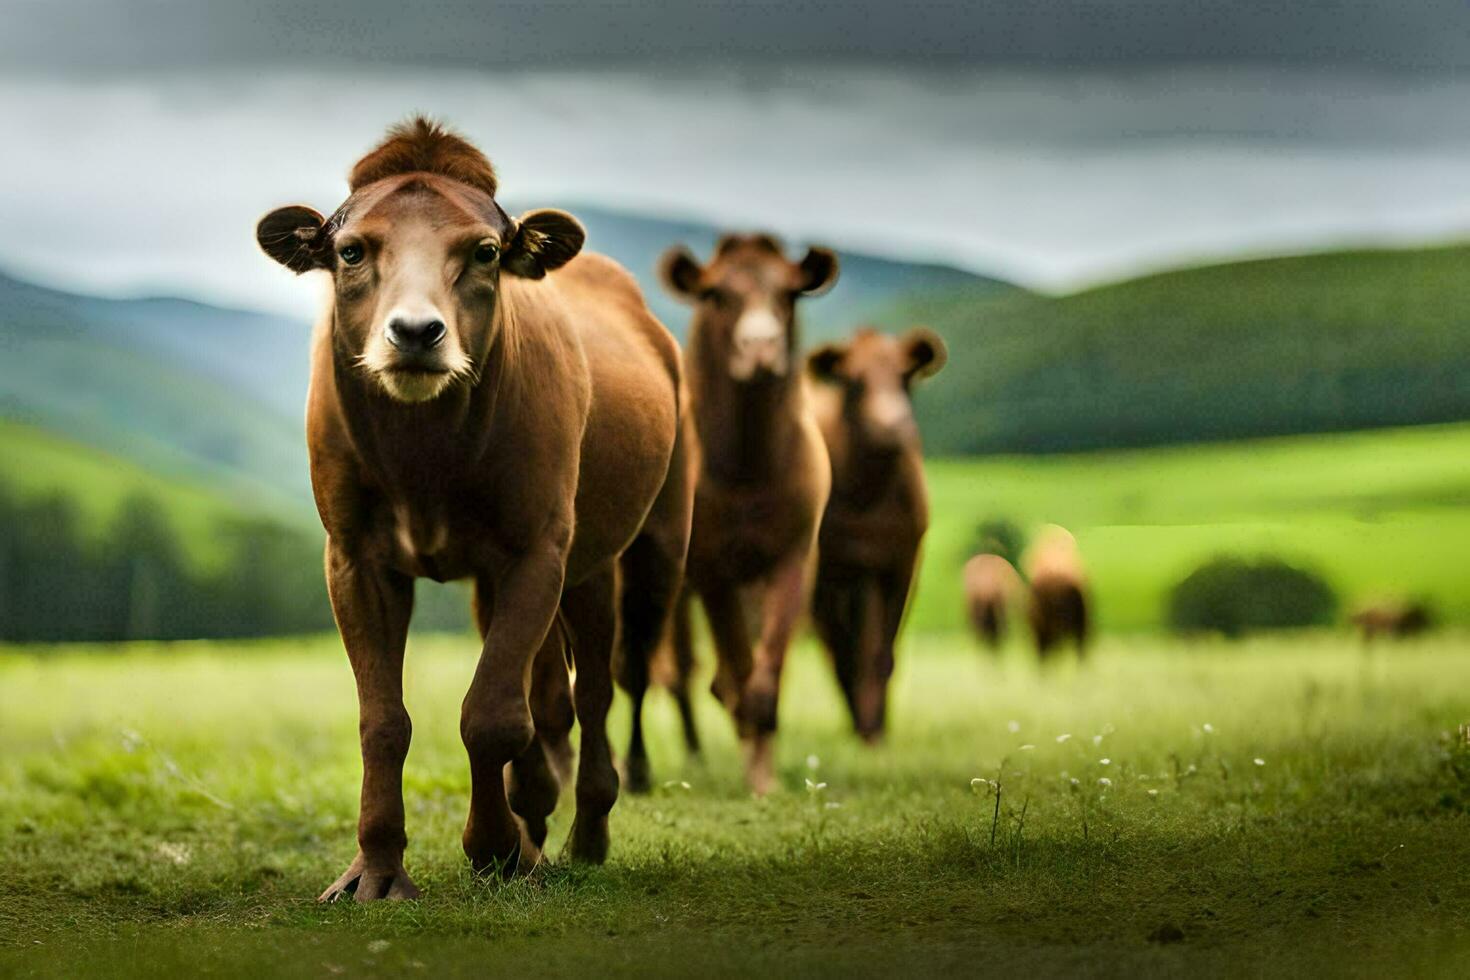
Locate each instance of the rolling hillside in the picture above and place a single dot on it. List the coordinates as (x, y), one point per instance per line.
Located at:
(1328, 342)
(188, 390)
(39, 464)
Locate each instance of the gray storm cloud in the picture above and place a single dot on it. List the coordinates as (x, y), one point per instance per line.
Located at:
(147, 183)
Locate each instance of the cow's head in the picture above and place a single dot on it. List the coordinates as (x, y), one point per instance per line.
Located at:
(416, 255)
(745, 300)
(876, 373)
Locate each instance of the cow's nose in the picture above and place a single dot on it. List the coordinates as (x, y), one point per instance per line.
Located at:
(761, 347)
(412, 336)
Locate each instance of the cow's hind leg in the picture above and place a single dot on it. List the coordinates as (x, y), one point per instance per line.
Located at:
(683, 650)
(592, 613)
(835, 613)
(651, 575)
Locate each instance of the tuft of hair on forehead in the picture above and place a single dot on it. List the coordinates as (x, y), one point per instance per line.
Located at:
(422, 145)
(760, 240)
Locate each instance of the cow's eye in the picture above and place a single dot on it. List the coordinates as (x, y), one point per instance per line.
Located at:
(717, 296)
(487, 252)
(350, 254)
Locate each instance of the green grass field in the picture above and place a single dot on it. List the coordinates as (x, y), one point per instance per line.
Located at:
(1378, 513)
(1287, 806)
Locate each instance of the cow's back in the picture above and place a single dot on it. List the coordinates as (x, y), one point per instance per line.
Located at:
(634, 367)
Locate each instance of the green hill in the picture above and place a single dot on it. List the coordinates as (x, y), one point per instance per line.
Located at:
(1339, 341)
(40, 464)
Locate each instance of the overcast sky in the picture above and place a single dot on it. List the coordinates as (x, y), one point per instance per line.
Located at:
(106, 34)
(1099, 140)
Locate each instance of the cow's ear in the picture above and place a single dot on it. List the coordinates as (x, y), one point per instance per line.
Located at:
(680, 272)
(825, 363)
(295, 236)
(818, 271)
(543, 241)
(925, 351)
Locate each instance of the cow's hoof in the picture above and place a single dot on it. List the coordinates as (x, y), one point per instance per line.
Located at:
(363, 883)
(757, 711)
(636, 775)
(589, 839)
(760, 764)
(522, 861)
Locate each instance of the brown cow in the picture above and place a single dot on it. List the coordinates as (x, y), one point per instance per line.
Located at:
(1395, 619)
(762, 472)
(878, 511)
(1057, 608)
(992, 585)
(475, 414)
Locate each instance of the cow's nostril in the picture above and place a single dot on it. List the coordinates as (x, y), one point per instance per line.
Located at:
(416, 335)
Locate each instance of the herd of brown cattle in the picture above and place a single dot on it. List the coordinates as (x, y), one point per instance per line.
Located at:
(489, 402)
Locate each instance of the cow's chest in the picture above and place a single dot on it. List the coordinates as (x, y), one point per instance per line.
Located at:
(430, 541)
(740, 535)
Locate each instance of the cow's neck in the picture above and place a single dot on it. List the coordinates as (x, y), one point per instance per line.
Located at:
(420, 451)
(865, 471)
(745, 430)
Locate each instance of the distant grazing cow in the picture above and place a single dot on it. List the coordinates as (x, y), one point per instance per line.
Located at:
(1397, 620)
(762, 471)
(878, 511)
(992, 586)
(485, 403)
(1057, 605)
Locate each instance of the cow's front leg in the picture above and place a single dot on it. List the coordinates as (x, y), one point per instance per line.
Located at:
(781, 606)
(495, 719)
(372, 605)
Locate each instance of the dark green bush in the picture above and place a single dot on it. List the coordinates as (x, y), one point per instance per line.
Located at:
(1235, 596)
(999, 536)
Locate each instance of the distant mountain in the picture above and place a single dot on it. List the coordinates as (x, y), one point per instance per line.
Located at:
(1335, 341)
(866, 287)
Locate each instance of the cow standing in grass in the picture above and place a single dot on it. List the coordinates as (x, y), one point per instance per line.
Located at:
(878, 510)
(485, 403)
(762, 471)
(1057, 606)
(992, 587)
(1394, 619)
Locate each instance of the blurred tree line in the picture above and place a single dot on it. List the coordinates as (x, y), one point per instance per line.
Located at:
(137, 581)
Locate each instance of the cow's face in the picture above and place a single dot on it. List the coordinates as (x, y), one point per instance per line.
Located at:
(876, 373)
(745, 300)
(416, 262)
